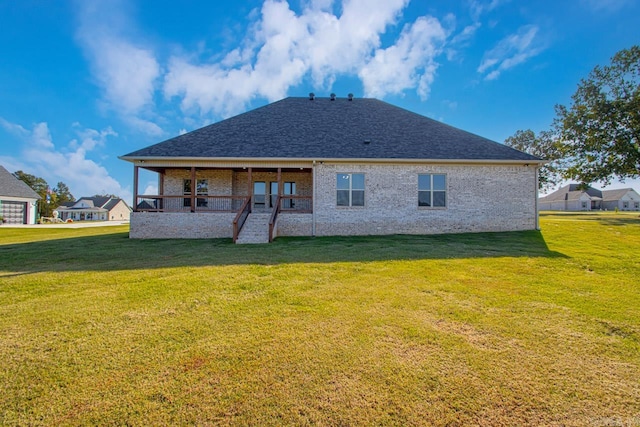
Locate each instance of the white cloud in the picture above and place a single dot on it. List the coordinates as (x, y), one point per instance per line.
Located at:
(511, 51)
(39, 156)
(13, 128)
(452, 105)
(125, 71)
(479, 7)
(151, 188)
(283, 48)
(408, 63)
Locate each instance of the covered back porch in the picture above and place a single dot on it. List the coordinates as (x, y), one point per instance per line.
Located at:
(220, 191)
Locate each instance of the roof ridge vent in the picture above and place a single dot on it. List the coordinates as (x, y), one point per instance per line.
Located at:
(311, 96)
(333, 96)
(350, 96)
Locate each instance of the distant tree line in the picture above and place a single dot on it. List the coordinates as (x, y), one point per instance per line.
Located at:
(596, 138)
(50, 198)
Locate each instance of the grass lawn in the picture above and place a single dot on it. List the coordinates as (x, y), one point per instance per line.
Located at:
(476, 329)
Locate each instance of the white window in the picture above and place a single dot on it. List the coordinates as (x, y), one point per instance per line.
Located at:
(625, 205)
(350, 189)
(432, 190)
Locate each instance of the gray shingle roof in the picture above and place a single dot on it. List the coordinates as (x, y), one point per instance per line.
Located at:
(612, 195)
(113, 202)
(571, 192)
(107, 203)
(10, 186)
(323, 129)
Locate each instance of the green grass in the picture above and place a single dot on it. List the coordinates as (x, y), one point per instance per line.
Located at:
(476, 329)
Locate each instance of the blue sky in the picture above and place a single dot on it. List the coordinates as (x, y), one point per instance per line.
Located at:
(83, 82)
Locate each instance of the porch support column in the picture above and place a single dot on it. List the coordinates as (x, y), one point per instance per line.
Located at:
(280, 189)
(249, 186)
(135, 188)
(160, 203)
(194, 189)
(313, 199)
(537, 167)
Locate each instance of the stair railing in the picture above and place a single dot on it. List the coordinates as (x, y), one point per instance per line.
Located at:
(272, 220)
(241, 217)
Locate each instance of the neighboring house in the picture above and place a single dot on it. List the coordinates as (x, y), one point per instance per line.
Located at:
(574, 197)
(625, 199)
(17, 200)
(95, 209)
(332, 166)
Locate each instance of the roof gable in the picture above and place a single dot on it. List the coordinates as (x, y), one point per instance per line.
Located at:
(301, 128)
(572, 192)
(612, 195)
(13, 187)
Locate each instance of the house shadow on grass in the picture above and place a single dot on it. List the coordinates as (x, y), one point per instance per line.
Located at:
(115, 251)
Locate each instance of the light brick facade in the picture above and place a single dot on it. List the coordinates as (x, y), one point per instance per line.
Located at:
(479, 198)
(181, 225)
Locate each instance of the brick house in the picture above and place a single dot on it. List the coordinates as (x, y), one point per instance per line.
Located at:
(332, 166)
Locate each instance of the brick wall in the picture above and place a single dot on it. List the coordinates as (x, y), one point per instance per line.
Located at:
(479, 198)
(178, 225)
(290, 224)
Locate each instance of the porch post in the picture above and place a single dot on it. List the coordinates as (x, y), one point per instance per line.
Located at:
(160, 203)
(135, 188)
(537, 167)
(193, 188)
(249, 186)
(313, 199)
(279, 182)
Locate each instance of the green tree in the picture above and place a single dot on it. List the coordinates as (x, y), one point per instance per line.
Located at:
(600, 131)
(63, 194)
(544, 146)
(40, 186)
(49, 199)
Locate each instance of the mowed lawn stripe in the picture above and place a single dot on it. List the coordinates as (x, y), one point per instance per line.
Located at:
(485, 329)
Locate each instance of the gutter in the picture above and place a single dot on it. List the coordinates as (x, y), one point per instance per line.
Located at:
(189, 160)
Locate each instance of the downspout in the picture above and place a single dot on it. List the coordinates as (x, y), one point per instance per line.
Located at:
(313, 201)
(537, 194)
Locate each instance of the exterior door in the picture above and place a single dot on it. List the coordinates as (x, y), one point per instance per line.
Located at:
(259, 194)
(273, 193)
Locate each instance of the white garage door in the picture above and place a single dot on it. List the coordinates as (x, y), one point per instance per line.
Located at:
(14, 212)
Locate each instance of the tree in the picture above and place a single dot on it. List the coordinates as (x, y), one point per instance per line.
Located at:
(49, 199)
(544, 146)
(600, 132)
(63, 194)
(39, 185)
